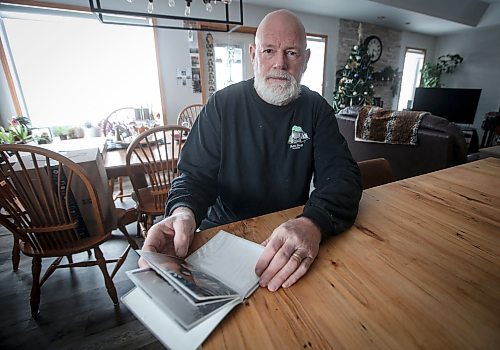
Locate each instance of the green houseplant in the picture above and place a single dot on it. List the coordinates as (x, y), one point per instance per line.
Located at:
(17, 132)
(431, 73)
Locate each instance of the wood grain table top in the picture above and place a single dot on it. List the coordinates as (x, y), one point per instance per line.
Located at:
(419, 269)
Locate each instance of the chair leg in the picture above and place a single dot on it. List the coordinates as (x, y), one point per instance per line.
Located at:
(143, 231)
(149, 222)
(70, 258)
(120, 261)
(16, 255)
(111, 184)
(140, 224)
(36, 268)
(110, 286)
(51, 270)
(120, 188)
(123, 230)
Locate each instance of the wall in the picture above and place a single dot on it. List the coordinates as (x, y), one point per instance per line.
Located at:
(174, 53)
(7, 109)
(173, 49)
(480, 49)
(391, 41)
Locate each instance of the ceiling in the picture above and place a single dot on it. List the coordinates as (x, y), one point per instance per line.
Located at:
(432, 17)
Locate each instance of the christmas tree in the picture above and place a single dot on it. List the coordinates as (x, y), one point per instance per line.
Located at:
(354, 85)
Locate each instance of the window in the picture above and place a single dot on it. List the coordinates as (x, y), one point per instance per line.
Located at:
(313, 76)
(414, 60)
(74, 69)
(228, 65)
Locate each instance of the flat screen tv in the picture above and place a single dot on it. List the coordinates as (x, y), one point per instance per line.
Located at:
(456, 105)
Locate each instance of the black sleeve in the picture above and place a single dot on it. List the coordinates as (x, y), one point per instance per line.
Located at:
(196, 187)
(333, 205)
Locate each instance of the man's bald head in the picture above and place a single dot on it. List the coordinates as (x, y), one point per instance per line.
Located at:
(281, 21)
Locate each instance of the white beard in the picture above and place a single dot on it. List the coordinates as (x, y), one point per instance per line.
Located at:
(280, 93)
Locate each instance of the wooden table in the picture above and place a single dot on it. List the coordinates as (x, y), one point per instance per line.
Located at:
(419, 269)
(115, 162)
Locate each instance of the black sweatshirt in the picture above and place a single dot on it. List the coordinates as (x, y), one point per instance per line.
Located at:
(245, 157)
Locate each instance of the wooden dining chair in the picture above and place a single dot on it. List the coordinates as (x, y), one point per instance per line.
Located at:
(152, 165)
(375, 172)
(5, 221)
(119, 119)
(188, 115)
(47, 219)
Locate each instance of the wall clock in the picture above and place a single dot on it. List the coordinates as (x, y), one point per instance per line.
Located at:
(373, 47)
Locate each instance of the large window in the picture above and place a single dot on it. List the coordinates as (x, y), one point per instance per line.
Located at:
(414, 60)
(74, 69)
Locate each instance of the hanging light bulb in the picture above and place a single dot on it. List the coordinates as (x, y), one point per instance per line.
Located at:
(129, 1)
(187, 10)
(150, 6)
(208, 5)
(227, 2)
(171, 3)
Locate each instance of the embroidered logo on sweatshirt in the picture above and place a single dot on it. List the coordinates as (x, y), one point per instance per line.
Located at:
(297, 137)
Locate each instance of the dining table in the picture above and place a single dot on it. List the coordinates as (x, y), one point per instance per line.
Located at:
(419, 269)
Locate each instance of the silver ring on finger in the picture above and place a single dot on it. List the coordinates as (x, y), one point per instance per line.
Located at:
(295, 256)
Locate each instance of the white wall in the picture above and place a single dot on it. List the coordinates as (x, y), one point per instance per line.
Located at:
(480, 49)
(7, 109)
(173, 47)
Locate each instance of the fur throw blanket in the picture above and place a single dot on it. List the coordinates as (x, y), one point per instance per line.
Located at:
(375, 124)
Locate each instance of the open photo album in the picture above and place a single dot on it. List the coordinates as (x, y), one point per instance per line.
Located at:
(182, 300)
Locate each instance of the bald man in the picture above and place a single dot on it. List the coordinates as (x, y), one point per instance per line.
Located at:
(254, 149)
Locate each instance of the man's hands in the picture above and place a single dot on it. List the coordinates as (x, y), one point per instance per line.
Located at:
(289, 252)
(173, 235)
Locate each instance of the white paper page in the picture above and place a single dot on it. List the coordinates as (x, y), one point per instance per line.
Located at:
(231, 259)
(165, 329)
(171, 301)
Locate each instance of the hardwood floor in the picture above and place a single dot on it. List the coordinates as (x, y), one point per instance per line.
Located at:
(76, 311)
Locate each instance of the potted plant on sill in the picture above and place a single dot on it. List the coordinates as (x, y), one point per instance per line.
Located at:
(90, 130)
(17, 132)
(431, 73)
(61, 132)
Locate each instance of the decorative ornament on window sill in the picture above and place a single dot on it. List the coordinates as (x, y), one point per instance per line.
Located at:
(386, 76)
(213, 15)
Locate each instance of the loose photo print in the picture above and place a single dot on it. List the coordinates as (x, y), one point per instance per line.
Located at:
(197, 283)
